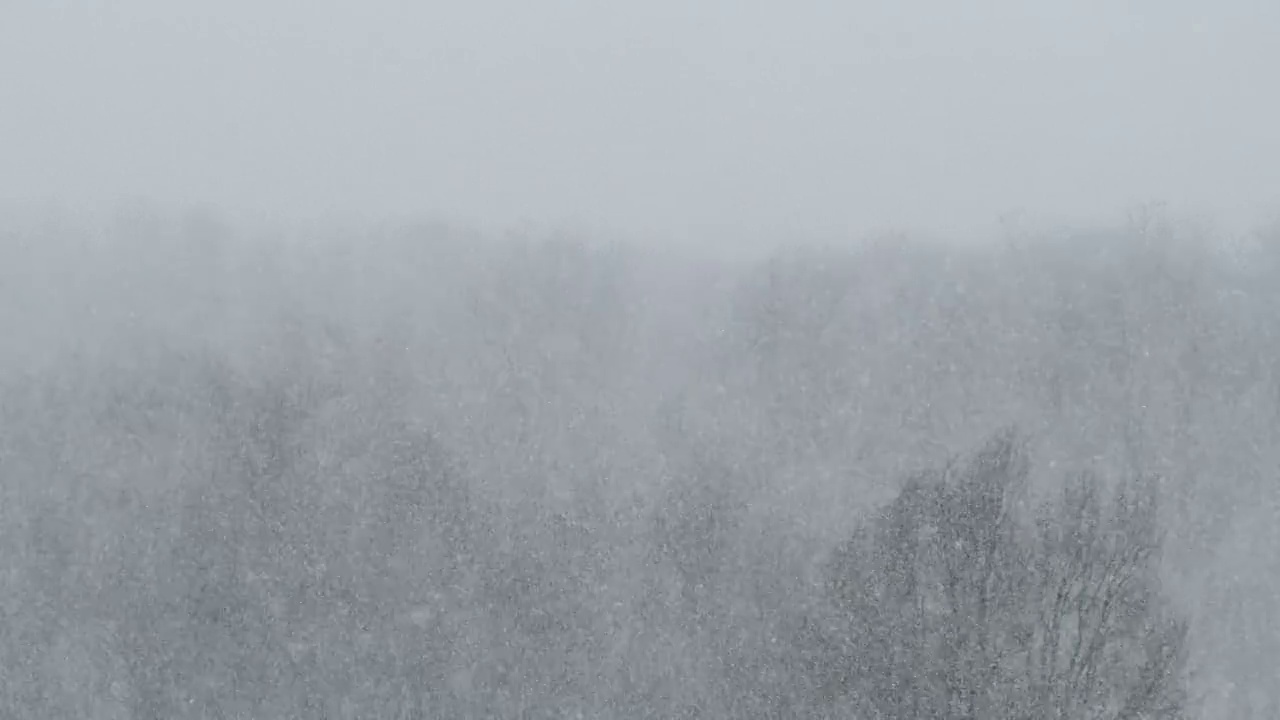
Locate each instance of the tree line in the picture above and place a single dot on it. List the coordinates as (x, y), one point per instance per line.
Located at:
(534, 488)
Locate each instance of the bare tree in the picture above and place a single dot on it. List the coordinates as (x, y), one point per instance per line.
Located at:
(962, 601)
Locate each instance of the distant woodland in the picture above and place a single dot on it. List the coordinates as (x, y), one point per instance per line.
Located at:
(418, 472)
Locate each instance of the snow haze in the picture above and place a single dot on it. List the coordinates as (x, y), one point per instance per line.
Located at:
(651, 360)
(674, 118)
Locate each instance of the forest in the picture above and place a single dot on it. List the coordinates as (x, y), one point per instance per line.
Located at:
(415, 471)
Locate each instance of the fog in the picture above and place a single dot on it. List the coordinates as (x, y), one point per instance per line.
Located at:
(416, 471)
(668, 119)
(697, 360)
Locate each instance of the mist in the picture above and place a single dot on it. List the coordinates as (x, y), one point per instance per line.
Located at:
(420, 471)
(685, 121)
(674, 360)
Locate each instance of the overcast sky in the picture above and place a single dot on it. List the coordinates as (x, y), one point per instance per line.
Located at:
(679, 116)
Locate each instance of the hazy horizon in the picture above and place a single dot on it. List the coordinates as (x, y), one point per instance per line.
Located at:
(683, 120)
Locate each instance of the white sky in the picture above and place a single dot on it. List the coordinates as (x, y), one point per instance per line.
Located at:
(677, 116)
